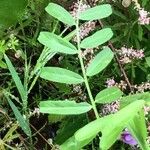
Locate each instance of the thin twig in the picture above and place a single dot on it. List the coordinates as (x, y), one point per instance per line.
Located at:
(22, 140)
(117, 59)
(120, 66)
(41, 135)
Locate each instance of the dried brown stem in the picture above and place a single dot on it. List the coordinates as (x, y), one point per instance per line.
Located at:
(38, 132)
(120, 66)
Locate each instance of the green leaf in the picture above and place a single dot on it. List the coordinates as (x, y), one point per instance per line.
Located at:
(140, 33)
(97, 12)
(139, 96)
(144, 2)
(63, 88)
(78, 121)
(64, 107)
(92, 129)
(16, 79)
(100, 62)
(108, 125)
(124, 101)
(61, 75)
(60, 13)
(22, 122)
(55, 118)
(108, 95)
(56, 43)
(137, 127)
(10, 134)
(2, 64)
(109, 137)
(98, 38)
(118, 122)
(70, 144)
(148, 61)
(11, 11)
(119, 14)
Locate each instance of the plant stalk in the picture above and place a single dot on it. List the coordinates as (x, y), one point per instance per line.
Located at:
(82, 65)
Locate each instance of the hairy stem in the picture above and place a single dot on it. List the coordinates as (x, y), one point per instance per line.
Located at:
(83, 67)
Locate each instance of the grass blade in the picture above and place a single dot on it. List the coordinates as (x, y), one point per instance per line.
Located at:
(22, 122)
(16, 79)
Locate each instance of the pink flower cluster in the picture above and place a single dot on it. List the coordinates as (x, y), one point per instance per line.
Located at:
(110, 108)
(77, 89)
(111, 82)
(129, 54)
(36, 111)
(87, 27)
(143, 17)
(74, 8)
(142, 87)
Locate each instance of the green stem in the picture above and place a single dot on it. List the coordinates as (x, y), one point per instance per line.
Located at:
(64, 31)
(55, 26)
(83, 68)
(40, 62)
(7, 145)
(88, 87)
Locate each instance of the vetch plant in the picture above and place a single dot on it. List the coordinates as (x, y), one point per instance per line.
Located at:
(58, 44)
(130, 116)
(81, 83)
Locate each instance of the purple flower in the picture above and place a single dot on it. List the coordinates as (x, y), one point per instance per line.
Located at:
(127, 138)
